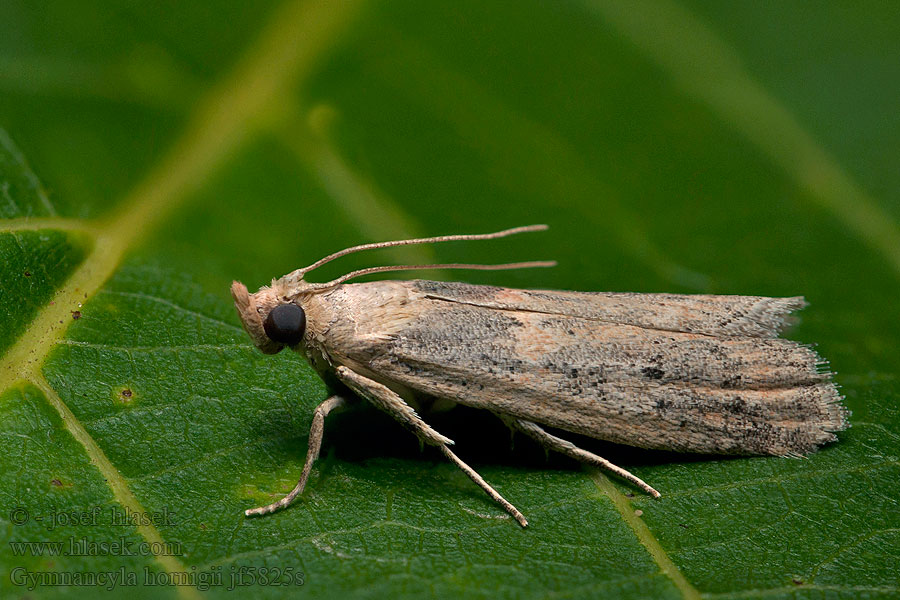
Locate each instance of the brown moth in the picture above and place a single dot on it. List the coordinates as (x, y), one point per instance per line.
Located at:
(690, 373)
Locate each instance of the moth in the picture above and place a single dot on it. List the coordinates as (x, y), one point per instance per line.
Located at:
(689, 373)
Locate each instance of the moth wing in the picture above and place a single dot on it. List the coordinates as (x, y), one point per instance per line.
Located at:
(716, 315)
(658, 379)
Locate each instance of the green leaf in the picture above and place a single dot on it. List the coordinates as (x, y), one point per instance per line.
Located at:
(150, 155)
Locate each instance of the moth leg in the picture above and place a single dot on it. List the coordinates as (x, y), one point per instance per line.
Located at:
(315, 443)
(389, 401)
(536, 432)
(479, 480)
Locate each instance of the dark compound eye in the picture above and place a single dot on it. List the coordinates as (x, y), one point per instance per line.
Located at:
(286, 324)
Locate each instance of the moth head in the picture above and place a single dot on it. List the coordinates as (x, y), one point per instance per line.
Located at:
(273, 320)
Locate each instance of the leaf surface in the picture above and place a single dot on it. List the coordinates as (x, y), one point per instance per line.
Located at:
(150, 156)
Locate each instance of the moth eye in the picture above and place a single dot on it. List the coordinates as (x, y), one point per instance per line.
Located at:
(285, 324)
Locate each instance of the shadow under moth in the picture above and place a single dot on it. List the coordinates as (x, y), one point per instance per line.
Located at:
(689, 373)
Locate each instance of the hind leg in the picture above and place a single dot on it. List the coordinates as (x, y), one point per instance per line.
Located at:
(547, 440)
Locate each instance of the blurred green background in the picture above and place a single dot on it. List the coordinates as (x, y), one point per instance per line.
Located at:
(152, 152)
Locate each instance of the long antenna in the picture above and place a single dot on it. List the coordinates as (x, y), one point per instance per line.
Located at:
(476, 267)
(301, 273)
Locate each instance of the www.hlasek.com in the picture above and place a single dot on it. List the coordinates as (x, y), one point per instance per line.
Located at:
(215, 577)
(84, 547)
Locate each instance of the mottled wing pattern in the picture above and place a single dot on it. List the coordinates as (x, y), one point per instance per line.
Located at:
(688, 373)
(748, 316)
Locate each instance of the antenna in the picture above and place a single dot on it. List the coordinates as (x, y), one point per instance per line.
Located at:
(299, 274)
(474, 267)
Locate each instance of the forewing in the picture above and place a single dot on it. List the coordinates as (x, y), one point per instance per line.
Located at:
(642, 385)
(717, 315)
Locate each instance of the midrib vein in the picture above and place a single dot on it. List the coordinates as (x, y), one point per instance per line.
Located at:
(644, 536)
(286, 52)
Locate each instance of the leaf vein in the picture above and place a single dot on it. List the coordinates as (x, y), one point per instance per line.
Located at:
(117, 483)
(645, 536)
(170, 304)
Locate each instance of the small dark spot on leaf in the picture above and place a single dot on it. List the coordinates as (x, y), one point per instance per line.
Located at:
(797, 581)
(684, 525)
(126, 393)
(203, 526)
(76, 314)
(56, 482)
(629, 494)
(27, 273)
